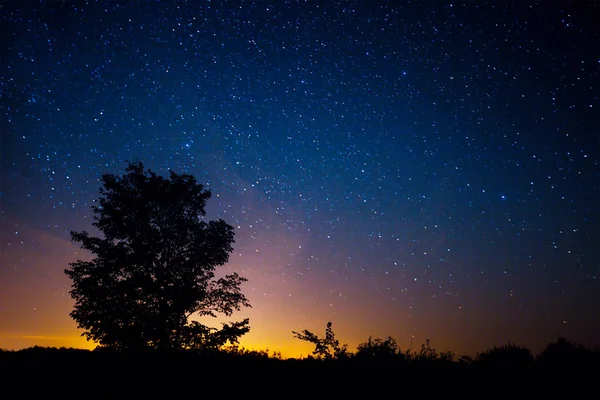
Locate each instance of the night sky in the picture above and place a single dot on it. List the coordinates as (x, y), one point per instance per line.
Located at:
(415, 170)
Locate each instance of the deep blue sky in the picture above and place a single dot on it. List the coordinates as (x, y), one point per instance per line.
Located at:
(426, 169)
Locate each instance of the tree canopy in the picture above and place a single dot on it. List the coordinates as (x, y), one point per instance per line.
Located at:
(155, 266)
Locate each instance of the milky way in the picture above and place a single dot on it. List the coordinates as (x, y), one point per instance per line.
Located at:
(406, 169)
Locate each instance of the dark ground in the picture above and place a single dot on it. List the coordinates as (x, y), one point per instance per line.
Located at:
(79, 374)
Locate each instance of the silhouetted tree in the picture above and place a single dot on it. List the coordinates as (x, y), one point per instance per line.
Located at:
(155, 266)
(326, 348)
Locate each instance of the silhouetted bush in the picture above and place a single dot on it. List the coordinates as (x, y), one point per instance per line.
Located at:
(106, 373)
(378, 349)
(507, 356)
(326, 348)
(567, 355)
(465, 360)
(425, 355)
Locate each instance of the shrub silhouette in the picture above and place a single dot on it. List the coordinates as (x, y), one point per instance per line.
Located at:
(506, 356)
(171, 371)
(427, 353)
(465, 360)
(326, 348)
(155, 266)
(380, 350)
(567, 355)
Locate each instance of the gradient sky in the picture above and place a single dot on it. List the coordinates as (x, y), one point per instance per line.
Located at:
(403, 169)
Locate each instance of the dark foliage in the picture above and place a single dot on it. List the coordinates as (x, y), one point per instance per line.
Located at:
(567, 355)
(378, 350)
(155, 266)
(507, 356)
(326, 348)
(107, 373)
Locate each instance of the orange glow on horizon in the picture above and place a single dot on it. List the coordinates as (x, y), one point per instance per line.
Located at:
(18, 342)
(34, 309)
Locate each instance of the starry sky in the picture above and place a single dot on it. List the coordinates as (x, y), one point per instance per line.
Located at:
(407, 169)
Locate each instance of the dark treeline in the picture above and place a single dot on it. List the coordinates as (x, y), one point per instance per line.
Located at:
(560, 355)
(376, 366)
(385, 352)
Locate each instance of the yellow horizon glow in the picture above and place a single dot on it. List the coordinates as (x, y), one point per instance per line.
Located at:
(16, 342)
